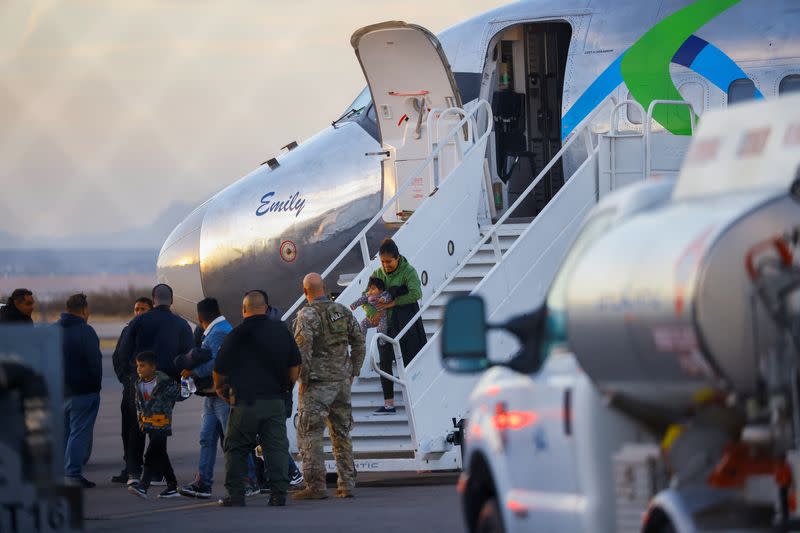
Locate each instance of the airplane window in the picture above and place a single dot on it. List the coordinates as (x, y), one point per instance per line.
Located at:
(789, 84)
(632, 111)
(695, 94)
(741, 90)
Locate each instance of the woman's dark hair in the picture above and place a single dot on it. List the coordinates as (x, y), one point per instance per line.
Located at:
(146, 357)
(377, 283)
(388, 247)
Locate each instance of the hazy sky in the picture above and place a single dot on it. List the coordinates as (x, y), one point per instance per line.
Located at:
(111, 110)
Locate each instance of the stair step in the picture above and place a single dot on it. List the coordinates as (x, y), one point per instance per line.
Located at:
(368, 418)
(433, 313)
(378, 431)
(489, 247)
(459, 285)
(371, 388)
(382, 445)
(508, 229)
(475, 269)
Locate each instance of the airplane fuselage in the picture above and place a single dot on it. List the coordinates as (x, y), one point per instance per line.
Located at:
(562, 59)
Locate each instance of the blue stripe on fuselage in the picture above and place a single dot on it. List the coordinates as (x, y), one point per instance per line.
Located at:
(714, 65)
(696, 54)
(592, 97)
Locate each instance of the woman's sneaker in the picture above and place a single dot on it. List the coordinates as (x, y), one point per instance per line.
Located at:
(169, 492)
(385, 410)
(137, 490)
(196, 490)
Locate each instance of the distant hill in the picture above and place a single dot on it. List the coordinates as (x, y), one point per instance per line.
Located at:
(150, 236)
(9, 241)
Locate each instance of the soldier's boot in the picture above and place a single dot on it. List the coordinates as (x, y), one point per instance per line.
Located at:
(310, 493)
(344, 493)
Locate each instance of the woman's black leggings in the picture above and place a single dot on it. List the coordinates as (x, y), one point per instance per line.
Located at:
(386, 359)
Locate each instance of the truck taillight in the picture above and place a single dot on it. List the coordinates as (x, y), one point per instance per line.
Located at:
(503, 420)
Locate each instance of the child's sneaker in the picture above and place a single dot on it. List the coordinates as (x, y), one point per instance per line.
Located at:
(385, 410)
(169, 492)
(137, 490)
(297, 479)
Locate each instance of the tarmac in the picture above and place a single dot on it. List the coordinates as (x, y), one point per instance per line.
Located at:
(385, 502)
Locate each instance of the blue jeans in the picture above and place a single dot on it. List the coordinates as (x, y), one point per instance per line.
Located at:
(80, 412)
(212, 430)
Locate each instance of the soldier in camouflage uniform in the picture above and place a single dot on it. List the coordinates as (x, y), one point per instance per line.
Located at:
(323, 330)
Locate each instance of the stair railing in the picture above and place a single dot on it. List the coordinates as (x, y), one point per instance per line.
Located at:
(648, 127)
(582, 131)
(470, 122)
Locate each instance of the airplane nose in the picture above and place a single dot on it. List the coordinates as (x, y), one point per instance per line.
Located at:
(179, 264)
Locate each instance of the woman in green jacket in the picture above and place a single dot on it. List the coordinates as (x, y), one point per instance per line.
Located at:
(402, 282)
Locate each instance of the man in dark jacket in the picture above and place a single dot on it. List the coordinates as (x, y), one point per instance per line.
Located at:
(83, 374)
(127, 405)
(19, 307)
(160, 331)
(256, 364)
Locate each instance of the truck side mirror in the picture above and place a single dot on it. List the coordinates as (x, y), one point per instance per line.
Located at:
(464, 335)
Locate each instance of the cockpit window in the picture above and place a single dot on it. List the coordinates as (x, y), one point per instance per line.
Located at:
(359, 106)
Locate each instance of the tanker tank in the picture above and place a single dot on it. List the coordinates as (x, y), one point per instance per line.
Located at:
(662, 307)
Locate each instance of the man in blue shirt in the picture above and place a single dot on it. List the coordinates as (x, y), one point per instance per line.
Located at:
(215, 410)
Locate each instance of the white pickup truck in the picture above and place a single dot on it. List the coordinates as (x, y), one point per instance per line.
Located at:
(539, 439)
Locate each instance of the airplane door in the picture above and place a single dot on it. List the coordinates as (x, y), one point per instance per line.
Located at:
(408, 76)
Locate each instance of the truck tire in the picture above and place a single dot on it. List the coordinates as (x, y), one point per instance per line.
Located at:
(489, 519)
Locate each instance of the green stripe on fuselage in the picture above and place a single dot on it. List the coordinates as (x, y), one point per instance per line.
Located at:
(645, 66)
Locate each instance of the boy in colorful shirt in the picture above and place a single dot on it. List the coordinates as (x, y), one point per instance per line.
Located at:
(156, 394)
(376, 318)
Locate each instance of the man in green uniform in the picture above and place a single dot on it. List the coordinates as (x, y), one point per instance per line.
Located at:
(323, 331)
(255, 367)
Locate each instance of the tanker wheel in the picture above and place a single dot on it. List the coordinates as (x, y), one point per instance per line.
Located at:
(489, 519)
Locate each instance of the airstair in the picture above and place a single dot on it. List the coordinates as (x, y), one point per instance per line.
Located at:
(457, 249)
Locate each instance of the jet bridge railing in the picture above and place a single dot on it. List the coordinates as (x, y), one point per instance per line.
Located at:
(469, 124)
(583, 131)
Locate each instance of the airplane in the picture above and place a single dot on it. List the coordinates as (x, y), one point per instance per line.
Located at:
(545, 65)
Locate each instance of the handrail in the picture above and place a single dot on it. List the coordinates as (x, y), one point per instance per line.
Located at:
(362, 234)
(648, 126)
(615, 133)
(581, 130)
(376, 368)
(437, 115)
(615, 119)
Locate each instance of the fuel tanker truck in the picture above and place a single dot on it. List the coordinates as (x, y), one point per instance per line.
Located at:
(656, 388)
(686, 320)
